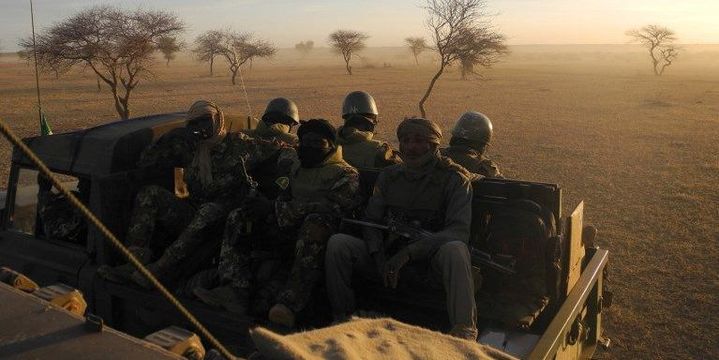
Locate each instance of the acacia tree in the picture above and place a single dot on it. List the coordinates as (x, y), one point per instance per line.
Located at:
(416, 45)
(118, 46)
(457, 26)
(207, 47)
(239, 48)
(347, 43)
(477, 47)
(169, 46)
(305, 47)
(659, 41)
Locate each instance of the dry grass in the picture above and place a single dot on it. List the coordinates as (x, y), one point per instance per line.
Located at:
(641, 151)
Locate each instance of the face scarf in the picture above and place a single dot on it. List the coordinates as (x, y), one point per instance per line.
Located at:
(203, 159)
(311, 156)
(421, 162)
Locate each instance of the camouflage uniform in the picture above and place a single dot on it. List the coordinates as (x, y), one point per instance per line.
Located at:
(60, 220)
(197, 217)
(472, 160)
(319, 198)
(361, 151)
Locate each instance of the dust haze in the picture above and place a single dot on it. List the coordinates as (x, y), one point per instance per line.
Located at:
(641, 150)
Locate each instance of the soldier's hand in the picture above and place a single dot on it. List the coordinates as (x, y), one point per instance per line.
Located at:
(393, 266)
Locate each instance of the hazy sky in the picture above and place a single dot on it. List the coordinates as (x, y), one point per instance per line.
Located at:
(388, 22)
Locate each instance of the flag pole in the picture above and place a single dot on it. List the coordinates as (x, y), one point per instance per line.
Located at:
(37, 76)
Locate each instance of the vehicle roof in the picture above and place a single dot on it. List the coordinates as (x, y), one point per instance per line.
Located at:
(100, 150)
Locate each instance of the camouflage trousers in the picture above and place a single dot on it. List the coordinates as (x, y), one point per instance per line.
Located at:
(186, 228)
(304, 245)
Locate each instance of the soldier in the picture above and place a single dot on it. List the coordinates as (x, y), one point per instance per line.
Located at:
(280, 116)
(60, 220)
(217, 182)
(323, 189)
(358, 148)
(470, 137)
(427, 190)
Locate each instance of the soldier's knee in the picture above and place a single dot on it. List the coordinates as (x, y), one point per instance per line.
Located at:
(454, 251)
(339, 246)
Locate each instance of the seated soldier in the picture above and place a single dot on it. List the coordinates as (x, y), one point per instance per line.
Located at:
(280, 116)
(217, 181)
(358, 148)
(431, 192)
(293, 229)
(60, 220)
(471, 136)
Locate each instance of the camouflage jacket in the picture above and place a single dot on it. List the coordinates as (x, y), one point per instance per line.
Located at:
(229, 183)
(472, 160)
(360, 150)
(439, 195)
(60, 220)
(331, 188)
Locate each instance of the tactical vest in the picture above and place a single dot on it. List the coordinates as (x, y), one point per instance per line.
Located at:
(313, 184)
(418, 200)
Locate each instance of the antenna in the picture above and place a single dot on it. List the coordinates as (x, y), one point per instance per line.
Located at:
(37, 76)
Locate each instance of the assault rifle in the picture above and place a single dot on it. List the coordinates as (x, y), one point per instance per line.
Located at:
(413, 233)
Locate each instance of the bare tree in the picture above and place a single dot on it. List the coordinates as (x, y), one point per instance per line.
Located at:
(169, 46)
(453, 23)
(347, 43)
(659, 41)
(305, 47)
(207, 46)
(416, 45)
(239, 48)
(118, 46)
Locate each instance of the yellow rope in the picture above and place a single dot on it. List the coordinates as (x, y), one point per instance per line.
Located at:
(12, 137)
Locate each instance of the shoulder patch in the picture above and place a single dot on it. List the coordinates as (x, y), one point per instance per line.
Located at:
(283, 182)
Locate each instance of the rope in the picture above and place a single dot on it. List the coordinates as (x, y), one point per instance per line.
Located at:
(12, 137)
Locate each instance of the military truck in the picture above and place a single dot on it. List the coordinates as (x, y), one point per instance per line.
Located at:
(551, 308)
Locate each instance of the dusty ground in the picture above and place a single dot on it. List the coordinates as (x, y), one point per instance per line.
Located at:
(641, 151)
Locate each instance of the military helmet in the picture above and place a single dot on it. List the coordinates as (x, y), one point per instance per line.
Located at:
(284, 107)
(361, 103)
(473, 126)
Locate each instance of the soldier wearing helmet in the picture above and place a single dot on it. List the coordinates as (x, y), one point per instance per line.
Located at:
(277, 121)
(470, 137)
(356, 136)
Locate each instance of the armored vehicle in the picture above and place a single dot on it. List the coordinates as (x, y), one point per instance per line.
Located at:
(550, 307)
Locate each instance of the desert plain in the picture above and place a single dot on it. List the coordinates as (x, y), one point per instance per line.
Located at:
(642, 151)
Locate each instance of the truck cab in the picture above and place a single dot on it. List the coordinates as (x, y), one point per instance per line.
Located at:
(556, 315)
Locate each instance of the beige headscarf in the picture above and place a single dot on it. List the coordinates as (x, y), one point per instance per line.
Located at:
(203, 160)
(427, 128)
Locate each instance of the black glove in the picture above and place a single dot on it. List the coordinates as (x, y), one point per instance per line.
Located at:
(393, 266)
(257, 206)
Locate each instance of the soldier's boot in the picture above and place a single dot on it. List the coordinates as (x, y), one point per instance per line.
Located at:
(122, 273)
(466, 332)
(282, 315)
(160, 269)
(231, 299)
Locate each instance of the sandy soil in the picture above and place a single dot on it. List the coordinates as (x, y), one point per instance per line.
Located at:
(641, 151)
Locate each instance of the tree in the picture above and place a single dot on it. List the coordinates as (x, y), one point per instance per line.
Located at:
(416, 45)
(659, 41)
(347, 43)
(168, 46)
(457, 27)
(478, 47)
(239, 48)
(305, 47)
(207, 46)
(118, 46)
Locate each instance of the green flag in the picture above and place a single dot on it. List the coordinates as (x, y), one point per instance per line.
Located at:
(44, 126)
